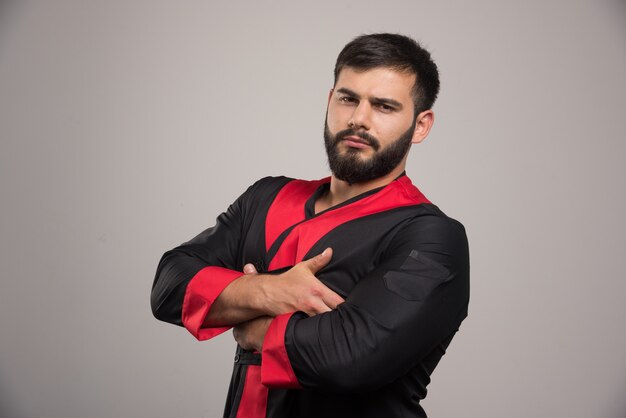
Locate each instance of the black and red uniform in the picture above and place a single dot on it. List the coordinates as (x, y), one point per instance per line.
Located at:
(401, 264)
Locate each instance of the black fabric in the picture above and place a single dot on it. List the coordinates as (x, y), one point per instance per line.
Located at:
(221, 245)
(235, 390)
(247, 357)
(405, 276)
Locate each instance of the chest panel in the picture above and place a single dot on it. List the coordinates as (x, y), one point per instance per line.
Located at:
(295, 241)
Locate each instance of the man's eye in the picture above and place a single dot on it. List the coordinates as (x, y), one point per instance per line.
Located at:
(347, 99)
(384, 107)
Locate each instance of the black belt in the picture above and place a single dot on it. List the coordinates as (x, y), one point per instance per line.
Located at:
(247, 357)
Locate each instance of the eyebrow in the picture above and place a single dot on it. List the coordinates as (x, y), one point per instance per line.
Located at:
(375, 100)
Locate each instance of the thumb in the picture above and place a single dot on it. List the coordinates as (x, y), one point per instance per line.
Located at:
(249, 269)
(320, 261)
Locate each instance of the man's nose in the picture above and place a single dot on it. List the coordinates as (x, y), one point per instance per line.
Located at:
(361, 116)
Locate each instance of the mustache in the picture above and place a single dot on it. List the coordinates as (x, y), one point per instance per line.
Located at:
(367, 138)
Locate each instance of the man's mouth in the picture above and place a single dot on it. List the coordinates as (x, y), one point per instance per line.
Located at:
(355, 142)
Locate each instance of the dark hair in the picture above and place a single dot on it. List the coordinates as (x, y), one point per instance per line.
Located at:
(398, 52)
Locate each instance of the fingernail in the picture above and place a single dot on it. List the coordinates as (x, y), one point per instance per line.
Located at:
(325, 252)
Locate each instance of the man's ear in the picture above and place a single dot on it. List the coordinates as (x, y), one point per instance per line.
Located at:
(330, 95)
(423, 122)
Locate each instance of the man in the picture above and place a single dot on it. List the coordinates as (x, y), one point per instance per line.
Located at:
(343, 292)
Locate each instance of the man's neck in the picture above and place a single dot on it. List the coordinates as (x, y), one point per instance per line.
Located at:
(340, 191)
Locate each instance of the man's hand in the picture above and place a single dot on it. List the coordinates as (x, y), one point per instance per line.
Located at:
(298, 289)
(295, 290)
(254, 295)
(250, 334)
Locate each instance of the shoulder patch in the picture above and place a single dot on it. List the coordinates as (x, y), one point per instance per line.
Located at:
(417, 277)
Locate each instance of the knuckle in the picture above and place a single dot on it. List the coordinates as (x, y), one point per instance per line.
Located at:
(309, 305)
(316, 291)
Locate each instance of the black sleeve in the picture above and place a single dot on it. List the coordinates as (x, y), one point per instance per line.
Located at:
(416, 298)
(217, 246)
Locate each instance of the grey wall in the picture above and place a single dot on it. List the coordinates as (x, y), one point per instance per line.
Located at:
(127, 126)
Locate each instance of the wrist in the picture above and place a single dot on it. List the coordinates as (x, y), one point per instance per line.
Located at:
(261, 296)
(265, 324)
(253, 293)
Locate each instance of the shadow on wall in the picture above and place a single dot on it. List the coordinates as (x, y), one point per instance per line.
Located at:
(7, 402)
(8, 407)
(7, 11)
(621, 6)
(620, 411)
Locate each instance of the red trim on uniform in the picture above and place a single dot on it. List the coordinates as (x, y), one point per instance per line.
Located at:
(253, 402)
(398, 193)
(276, 370)
(287, 208)
(200, 294)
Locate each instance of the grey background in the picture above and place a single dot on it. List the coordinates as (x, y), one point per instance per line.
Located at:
(127, 126)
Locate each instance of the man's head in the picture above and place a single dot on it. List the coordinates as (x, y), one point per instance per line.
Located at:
(380, 103)
(399, 53)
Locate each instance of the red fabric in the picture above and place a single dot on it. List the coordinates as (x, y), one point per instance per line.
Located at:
(398, 193)
(253, 402)
(276, 371)
(201, 292)
(287, 208)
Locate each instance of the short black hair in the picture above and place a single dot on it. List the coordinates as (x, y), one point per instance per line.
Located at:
(398, 52)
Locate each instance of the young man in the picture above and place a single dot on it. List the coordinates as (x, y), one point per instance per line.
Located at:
(343, 292)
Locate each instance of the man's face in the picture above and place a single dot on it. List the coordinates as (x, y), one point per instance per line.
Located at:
(369, 123)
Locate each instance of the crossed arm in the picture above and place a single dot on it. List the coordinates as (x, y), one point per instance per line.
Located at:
(250, 302)
(200, 284)
(394, 316)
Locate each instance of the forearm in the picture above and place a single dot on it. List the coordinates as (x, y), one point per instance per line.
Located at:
(174, 273)
(242, 300)
(352, 350)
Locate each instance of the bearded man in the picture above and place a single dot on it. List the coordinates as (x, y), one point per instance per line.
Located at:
(344, 292)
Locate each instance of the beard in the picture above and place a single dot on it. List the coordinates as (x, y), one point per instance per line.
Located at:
(351, 168)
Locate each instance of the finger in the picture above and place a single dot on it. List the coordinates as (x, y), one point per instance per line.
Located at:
(318, 262)
(332, 299)
(249, 269)
(236, 334)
